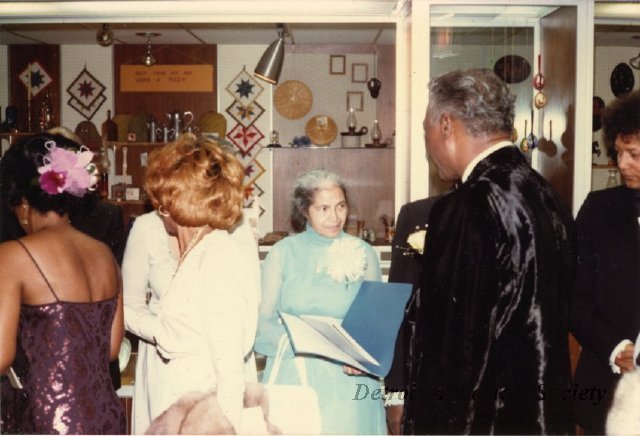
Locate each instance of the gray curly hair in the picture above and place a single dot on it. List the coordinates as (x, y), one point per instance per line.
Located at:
(306, 185)
(477, 97)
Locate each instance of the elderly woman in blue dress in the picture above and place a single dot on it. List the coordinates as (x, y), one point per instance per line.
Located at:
(318, 271)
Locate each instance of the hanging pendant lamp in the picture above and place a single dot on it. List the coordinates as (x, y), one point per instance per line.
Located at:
(148, 59)
(270, 64)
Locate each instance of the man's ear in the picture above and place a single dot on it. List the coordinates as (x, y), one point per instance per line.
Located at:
(446, 125)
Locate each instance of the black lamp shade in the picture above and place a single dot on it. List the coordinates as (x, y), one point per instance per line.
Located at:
(270, 64)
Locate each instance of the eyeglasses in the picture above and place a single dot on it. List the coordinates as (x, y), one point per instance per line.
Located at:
(162, 212)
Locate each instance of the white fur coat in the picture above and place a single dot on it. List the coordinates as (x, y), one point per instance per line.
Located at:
(624, 415)
(200, 413)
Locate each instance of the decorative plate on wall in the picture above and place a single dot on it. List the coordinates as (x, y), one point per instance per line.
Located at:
(622, 80)
(293, 99)
(321, 129)
(512, 68)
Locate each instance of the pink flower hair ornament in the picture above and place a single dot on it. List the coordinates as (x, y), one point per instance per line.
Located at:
(67, 171)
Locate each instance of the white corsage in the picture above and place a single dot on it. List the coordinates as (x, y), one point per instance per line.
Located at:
(415, 243)
(416, 240)
(345, 260)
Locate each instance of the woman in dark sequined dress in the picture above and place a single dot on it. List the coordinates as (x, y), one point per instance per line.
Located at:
(61, 293)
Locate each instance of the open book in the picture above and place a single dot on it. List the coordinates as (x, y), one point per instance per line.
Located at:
(365, 339)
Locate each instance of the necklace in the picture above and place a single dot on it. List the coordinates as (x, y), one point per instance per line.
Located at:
(192, 243)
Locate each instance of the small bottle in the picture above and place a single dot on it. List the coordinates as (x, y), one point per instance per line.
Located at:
(104, 165)
(375, 133)
(109, 129)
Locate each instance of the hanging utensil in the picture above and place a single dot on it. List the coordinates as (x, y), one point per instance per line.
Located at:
(533, 140)
(524, 144)
(538, 79)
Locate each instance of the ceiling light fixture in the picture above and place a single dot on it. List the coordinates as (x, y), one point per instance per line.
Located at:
(105, 36)
(270, 64)
(148, 58)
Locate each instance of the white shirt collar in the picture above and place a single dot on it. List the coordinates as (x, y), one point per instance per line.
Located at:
(482, 155)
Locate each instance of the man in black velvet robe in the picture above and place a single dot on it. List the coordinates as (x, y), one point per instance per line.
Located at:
(489, 349)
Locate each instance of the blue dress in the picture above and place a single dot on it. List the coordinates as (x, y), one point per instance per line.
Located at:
(295, 279)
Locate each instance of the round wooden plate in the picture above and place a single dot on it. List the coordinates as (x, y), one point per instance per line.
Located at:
(293, 99)
(321, 129)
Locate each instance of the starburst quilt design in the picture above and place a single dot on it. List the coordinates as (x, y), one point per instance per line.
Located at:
(38, 80)
(244, 88)
(245, 138)
(245, 115)
(87, 94)
(253, 171)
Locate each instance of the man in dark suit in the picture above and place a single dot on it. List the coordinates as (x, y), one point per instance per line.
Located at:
(406, 267)
(489, 350)
(605, 308)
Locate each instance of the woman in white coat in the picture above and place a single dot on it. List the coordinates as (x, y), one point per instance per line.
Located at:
(170, 306)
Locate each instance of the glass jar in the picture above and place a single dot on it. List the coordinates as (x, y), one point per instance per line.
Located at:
(612, 178)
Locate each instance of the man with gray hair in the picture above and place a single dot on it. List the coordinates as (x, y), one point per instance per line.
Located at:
(489, 346)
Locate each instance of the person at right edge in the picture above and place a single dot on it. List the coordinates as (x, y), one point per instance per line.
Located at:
(489, 349)
(604, 311)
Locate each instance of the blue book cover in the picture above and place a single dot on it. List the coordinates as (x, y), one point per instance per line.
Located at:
(365, 338)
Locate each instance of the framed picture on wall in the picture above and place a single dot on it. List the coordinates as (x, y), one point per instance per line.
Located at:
(337, 64)
(355, 100)
(359, 73)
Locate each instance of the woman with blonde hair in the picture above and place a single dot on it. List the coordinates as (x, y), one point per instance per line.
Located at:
(205, 320)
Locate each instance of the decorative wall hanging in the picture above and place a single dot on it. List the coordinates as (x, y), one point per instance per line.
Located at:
(87, 94)
(359, 73)
(374, 84)
(251, 194)
(244, 88)
(337, 64)
(512, 68)
(621, 80)
(87, 112)
(35, 78)
(355, 100)
(245, 139)
(540, 100)
(245, 115)
(321, 129)
(252, 172)
(293, 99)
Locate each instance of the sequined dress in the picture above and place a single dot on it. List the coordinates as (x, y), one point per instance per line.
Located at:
(68, 385)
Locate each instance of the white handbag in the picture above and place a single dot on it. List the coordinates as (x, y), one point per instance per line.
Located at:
(293, 409)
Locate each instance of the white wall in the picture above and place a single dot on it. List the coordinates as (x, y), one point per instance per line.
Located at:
(329, 94)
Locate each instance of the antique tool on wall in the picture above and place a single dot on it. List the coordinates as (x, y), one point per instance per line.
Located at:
(123, 178)
(532, 139)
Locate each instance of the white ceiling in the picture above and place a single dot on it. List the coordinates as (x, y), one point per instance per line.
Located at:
(67, 23)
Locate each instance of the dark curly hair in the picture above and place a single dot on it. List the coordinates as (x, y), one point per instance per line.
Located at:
(621, 119)
(19, 176)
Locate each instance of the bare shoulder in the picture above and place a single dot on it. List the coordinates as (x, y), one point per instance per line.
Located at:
(12, 255)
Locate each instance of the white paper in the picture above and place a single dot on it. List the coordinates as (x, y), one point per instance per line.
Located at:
(307, 340)
(330, 328)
